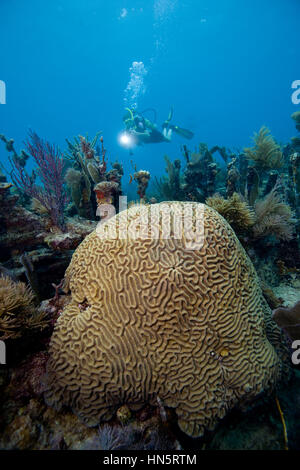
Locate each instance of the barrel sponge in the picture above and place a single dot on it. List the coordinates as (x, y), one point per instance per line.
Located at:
(158, 318)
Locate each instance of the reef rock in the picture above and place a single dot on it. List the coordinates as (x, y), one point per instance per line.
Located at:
(175, 317)
(289, 320)
(26, 380)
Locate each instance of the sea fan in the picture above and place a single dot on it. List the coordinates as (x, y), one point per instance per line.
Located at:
(17, 311)
(265, 153)
(49, 169)
(273, 217)
(236, 211)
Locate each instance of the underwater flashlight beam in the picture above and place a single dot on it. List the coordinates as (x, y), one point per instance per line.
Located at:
(126, 140)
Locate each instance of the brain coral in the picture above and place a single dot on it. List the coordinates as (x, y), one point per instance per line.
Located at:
(150, 317)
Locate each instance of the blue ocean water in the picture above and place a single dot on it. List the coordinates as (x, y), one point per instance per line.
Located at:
(226, 66)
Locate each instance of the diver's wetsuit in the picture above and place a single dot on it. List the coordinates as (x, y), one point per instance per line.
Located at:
(145, 132)
(156, 137)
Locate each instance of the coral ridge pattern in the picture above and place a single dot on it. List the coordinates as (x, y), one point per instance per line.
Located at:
(152, 320)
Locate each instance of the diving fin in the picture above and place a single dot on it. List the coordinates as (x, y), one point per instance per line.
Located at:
(183, 132)
(170, 114)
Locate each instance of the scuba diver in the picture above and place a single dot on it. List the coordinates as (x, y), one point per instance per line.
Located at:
(139, 130)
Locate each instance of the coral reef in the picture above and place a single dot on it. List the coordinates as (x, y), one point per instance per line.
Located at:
(170, 187)
(134, 437)
(296, 117)
(30, 274)
(265, 153)
(236, 211)
(161, 337)
(273, 217)
(294, 170)
(88, 171)
(142, 178)
(105, 192)
(288, 292)
(200, 173)
(19, 159)
(289, 320)
(26, 380)
(27, 424)
(232, 179)
(17, 311)
(37, 253)
(198, 180)
(51, 195)
(153, 318)
(272, 300)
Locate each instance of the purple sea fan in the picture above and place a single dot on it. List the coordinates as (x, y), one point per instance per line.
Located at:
(52, 194)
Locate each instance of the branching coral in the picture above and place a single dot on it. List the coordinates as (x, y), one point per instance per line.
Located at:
(273, 217)
(38, 208)
(236, 211)
(200, 174)
(294, 182)
(76, 148)
(265, 154)
(142, 178)
(22, 158)
(84, 173)
(252, 185)
(169, 188)
(87, 148)
(294, 168)
(232, 179)
(51, 194)
(198, 180)
(17, 311)
(89, 170)
(73, 180)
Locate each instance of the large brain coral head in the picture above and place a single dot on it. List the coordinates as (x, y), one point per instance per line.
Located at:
(153, 318)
